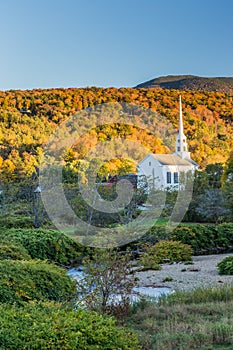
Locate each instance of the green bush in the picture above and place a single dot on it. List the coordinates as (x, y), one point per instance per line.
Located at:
(49, 327)
(45, 244)
(34, 280)
(225, 267)
(15, 221)
(166, 251)
(153, 235)
(202, 238)
(205, 237)
(225, 235)
(198, 236)
(9, 250)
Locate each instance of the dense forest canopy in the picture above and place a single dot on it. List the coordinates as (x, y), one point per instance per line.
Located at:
(28, 118)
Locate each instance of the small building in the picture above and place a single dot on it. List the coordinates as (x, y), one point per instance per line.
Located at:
(166, 170)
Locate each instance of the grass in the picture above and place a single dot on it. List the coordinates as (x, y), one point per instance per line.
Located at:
(161, 221)
(201, 295)
(201, 319)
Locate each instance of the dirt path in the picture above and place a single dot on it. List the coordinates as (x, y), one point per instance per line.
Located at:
(202, 273)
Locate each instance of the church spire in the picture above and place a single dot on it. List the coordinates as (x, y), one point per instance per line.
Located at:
(181, 129)
(181, 141)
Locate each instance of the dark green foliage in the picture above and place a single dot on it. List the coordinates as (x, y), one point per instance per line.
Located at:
(168, 279)
(200, 237)
(225, 267)
(214, 173)
(15, 221)
(212, 205)
(50, 327)
(46, 244)
(228, 185)
(166, 251)
(13, 251)
(33, 280)
(155, 234)
(209, 200)
(197, 236)
(205, 238)
(225, 235)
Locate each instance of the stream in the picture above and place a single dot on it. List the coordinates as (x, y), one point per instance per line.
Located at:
(149, 292)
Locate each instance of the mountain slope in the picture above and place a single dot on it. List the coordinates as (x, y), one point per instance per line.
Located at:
(191, 82)
(29, 117)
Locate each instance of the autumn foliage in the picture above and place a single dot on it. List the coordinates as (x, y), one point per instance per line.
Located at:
(27, 118)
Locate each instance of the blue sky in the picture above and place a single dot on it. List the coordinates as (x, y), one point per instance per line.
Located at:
(75, 43)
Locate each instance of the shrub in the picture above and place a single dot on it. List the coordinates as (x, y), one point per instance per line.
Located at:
(205, 237)
(45, 244)
(15, 221)
(48, 326)
(197, 236)
(168, 279)
(167, 251)
(225, 235)
(149, 263)
(202, 238)
(9, 250)
(225, 267)
(107, 276)
(155, 234)
(34, 280)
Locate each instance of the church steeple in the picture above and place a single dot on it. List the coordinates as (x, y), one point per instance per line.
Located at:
(181, 140)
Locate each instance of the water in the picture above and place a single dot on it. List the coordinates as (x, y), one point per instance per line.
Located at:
(148, 292)
(76, 273)
(152, 292)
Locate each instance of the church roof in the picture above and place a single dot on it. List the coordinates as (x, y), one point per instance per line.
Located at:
(172, 159)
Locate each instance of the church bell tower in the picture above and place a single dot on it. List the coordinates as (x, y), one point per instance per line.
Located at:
(181, 140)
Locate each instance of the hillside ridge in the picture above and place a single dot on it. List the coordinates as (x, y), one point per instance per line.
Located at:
(191, 82)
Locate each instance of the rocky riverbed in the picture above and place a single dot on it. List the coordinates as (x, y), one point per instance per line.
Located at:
(202, 273)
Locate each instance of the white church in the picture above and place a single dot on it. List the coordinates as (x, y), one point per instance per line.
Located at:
(165, 170)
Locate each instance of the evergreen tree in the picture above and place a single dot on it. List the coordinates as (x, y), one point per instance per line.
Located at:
(227, 185)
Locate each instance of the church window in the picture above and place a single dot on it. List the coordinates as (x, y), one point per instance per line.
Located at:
(169, 177)
(149, 163)
(176, 178)
(178, 149)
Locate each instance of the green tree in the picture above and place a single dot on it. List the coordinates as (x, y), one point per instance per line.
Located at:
(212, 205)
(214, 175)
(227, 185)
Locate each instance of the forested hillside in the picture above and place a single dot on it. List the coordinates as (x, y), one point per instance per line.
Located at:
(191, 82)
(27, 118)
